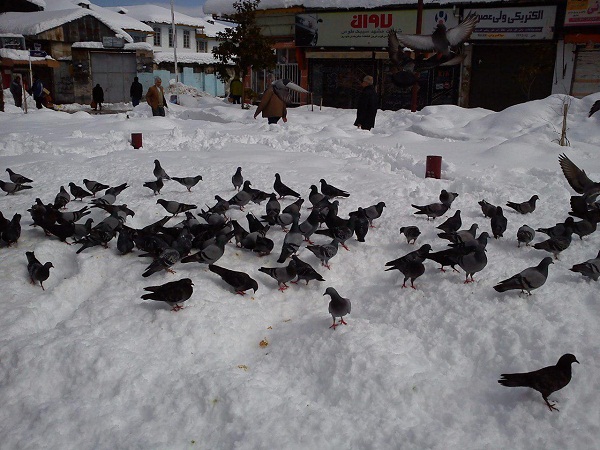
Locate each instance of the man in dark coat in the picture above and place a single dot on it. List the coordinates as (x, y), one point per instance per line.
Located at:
(17, 91)
(37, 92)
(367, 105)
(98, 96)
(136, 91)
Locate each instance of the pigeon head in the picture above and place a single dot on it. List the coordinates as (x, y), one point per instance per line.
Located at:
(567, 359)
(330, 291)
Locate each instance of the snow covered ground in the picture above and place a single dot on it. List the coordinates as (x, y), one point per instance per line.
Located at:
(88, 364)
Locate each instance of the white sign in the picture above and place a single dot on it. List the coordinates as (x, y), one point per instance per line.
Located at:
(518, 23)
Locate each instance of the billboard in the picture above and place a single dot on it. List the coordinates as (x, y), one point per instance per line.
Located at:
(582, 13)
(518, 23)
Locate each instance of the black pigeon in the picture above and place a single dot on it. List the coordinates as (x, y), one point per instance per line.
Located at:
(37, 271)
(101, 234)
(528, 279)
(487, 208)
(361, 224)
(273, 207)
(546, 381)
(11, 188)
(281, 274)
(584, 227)
(305, 271)
(94, 186)
(451, 224)
(125, 243)
(188, 182)
(448, 257)
(171, 293)
(174, 207)
(589, 268)
(595, 107)
(159, 172)
(560, 229)
(411, 265)
(579, 180)
(12, 231)
(18, 178)
(331, 191)
(239, 281)
(556, 244)
(338, 306)
(156, 186)
(525, 235)
(342, 231)
(3, 222)
(256, 225)
(315, 197)
(237, 179)
(282, 189)
(524, 207)
(62, 198)
(432, 210)
(499, 223)
(411, 233)
(78, 192)
(447, 197)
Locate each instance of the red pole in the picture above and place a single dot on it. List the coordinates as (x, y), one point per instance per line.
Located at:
(415, 88)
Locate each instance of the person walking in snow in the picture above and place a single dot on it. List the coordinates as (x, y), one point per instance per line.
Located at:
(17, 91)
(236, 89)
(271, 106)
(37, 92)
(136, 91)
(98, 96)
(367, 105)
(156, 98)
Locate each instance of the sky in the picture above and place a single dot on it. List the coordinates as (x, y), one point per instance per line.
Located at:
(190, 7)
(88, 364)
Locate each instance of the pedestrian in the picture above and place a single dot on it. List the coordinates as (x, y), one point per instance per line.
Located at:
(136, 91)
(271, 106)
(98, 96)
(17, 91)
(367, 105)
(37, 92)
(236, 89)
(1, 97)
(156, 98)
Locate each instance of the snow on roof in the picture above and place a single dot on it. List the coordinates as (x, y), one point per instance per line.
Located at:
(197, 58)
(20, 55)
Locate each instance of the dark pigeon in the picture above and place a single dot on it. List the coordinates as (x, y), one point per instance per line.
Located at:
(325, 252)
(472, 263)
(432, 210)
(243, 197)
(524, 207)
(338, 306)
(94, 186)
(167, 258)
(159, 172)
(62, 198)
(237, 179)
(78, 192)
(525, 235)
(528, 279)
(595, 107)
(499, 223)
(411, 265)
(282, 189)
(305, 271)
(12, 231)
(211, 253)
(579, 180)
(18, 178)
(411, 233)
(172, 293)
(487, 208)
(156, 186)
(589, 268)
(447, 197)
(37, 271)
(451, 224)
(281, 274)
(556, 244)
(331, 191)
(239, 281)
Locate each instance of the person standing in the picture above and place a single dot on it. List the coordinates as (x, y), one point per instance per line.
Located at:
(367, 105)
(236, 89)
(98, 96)
(156, 98)
(271, 106)
(37, 92)
(1, 97)
(17, 91)
(136, 91)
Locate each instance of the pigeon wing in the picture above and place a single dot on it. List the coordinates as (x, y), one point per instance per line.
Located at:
(417, 41)
(576, 177)
(462, 32)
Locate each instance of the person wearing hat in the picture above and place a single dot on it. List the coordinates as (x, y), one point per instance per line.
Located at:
(367, 105)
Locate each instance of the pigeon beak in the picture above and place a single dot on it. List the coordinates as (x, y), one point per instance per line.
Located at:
(576, 361)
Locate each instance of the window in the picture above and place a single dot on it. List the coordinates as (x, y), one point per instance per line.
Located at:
(157, 42)
(171, 37)
(201, 46)
(186, 39)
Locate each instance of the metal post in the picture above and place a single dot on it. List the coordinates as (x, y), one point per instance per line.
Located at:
(415, 88)
(174, 40)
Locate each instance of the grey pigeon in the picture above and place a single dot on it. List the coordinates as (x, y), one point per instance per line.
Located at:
(165, 260)
(18, 178)
(331, 191)
(528, 279)
(487, 208)
(243, 197)
(116, 190)
(282, 189)
(106, 199)
(188, 182)
(239, 281)
(546, 381)
(78, 192)
(451, 224)
(524, 207)
(11, 188)
(81, 229)
(315, 197)
(498, 223)
(174, 207)
(472, 263)
(589, 268)
(172, 293)
(273, 207)
(305, 271)
(292, 241)
(460, 236)
(37, 271)
(62, 198)
(447, 197)
(579, 180)
(74, 216)
(283, 220)
(525, 235)
(338, 307)
(94, 186)
(325, 252)
(156, 186)
(281, 274)
(342, 231)
(294, 208)
(237, 179)
(310, 225)
(159, 172)
(374, 212)
(411, 233)
(12, 231)
(556, 244)
(432, 210)
(211, 253)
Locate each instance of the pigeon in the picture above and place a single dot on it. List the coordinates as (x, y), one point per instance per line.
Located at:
(125, 242)
(361, 224)
(159, 172)
(94, 186)
(331, 191)
(584, 227)
(273, 207)
(81, 229)
(315, 197)
(472, 263)
(417, 255)
(487, 209)
(499, 223)
(595, 107)
(116, 190)
(579, 180)
(237, 179)
(528, 279)
(283, 220)
(310, 225)
(211, 253)
(18, 178)
(101, 234)
(447, 197)
(281, 274)
(448, 257)
(411, 233)
(62, 198)
(305, 271)
(545, 381)
(589, 268)
(525, 207)
(412, 269)
(560, 229)
(292, 241)
(338, 306)
(342, 231)
(243, 197)
(239, 281)
(452, 224)
(11, 188)
(156, 186)
(61, 230)
(165, 260)
(256, 225)
(294, 208)
(188, 182)
(460, 236)
(37, 271)
(73, 216)
(12, 231)
(525, 235)
(78, 192)
(442, 40)
(172, 293)
(282, 189)
(374, 212)
(175, 207)
(3, 222)
(432, 210)
(325, 252)
(556, 244)
(221, 206)
(106, 200)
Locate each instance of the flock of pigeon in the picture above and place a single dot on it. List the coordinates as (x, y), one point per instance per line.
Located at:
(202, 238)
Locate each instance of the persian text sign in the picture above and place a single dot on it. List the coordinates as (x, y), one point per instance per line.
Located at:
(520, 23)
(582, 13)
(363, 28)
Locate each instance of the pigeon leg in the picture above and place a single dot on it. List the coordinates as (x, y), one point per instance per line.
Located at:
(326, 265)
(42, 285)
(345, 246)
(170, 270)
(442, 269)
(176, 308)
(552, 406)
(404, 284)
(333, 325)
(240, 292)
(342, 321)
(412, 285)
(283, 287)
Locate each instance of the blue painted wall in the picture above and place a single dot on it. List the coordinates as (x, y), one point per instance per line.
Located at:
(203, 82)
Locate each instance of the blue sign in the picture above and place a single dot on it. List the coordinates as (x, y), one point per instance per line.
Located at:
(38, 53)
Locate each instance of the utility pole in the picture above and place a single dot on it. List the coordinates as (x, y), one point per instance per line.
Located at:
(415, 88)
(175, 40)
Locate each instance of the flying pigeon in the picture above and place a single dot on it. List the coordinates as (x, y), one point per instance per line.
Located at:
(159, 172)
(37, 271)
(94, 186)
(239, 281)
(78, 192)
(156, 186)
(18, 178)
(331, 191)
(589, 268)
(579, 180)
(411, 233)
(524, 207)
(545, 381)
(281, 274)
(237, 179)
(338, 306)
(282, 189)
(171, 293)
(174, 207)
(188, 182)
(525, 235)
(11, 188)
(528, 279)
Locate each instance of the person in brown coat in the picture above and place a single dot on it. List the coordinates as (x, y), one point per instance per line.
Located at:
(156, 98)
(271, 106)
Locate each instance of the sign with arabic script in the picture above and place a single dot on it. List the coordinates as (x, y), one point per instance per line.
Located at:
(582, 13)
(519, 23)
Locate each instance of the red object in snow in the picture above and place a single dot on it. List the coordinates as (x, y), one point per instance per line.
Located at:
(136, 140)
(433, 167)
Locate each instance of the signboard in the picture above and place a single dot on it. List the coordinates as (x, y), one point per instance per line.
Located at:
(519, 23)
(113, 42)
(364, 29)
(582, 13)
(37, 53)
